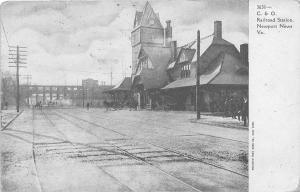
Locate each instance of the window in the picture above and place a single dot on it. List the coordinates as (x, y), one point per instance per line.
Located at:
(151, 22)
(139, 67)
(182, 58)
(145, 63)
(136, 21)
(149, 64)
(185, 71)
(135, 37)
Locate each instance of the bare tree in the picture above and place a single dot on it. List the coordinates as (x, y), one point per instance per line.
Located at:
(8, 87)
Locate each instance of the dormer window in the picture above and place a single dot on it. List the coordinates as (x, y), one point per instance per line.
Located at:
(146, 63)
(185, 71)
(183, 58)
(151, 22)
(136, 22)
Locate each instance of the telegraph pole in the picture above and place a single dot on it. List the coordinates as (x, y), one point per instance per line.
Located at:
(18, 79)
(17, 59)
(198, 76)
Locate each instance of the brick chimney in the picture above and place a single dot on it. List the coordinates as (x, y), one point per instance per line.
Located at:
(168, 33)
(218, 29)
(244, 54)
(173, 45)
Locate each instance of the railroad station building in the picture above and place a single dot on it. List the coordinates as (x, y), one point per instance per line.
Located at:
(164, 74)
(223, 74)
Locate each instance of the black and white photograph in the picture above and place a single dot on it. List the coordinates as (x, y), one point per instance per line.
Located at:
(126, 96)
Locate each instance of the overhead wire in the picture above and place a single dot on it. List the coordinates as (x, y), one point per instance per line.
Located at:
(4, 31)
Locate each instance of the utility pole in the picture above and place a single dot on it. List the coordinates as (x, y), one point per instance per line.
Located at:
(18, 80)
(17, 59)
(198, 76)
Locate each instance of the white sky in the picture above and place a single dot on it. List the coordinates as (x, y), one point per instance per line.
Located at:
(71, 41)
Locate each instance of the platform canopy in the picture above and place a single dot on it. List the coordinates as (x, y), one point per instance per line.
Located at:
(124, 85)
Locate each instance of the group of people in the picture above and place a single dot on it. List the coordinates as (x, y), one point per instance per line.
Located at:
(109, 105)
(114, 105)
(237, 109)
(38, 105)
(131, 104)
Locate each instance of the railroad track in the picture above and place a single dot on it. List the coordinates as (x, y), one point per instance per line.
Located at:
(122, 151)
(164, 127)
(80, 151)
(34, 154)
(185, 155)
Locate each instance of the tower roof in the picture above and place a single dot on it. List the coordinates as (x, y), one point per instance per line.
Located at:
(147, 17)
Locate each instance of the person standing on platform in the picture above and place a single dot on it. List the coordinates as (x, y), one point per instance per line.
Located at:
(245, 111)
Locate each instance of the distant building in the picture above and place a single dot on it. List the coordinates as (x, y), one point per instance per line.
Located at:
(89, 83)
(93, 93)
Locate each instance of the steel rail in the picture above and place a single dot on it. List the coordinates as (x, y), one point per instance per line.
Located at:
(132, 155)
(149, 143)
(169, 128)
(33, 153)
(74, 146)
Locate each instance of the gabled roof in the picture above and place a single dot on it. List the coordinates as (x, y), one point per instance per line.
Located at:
(187, 50)
(189, 45)
(230, 74)
(156, 77)
(158, 55)
(223, 70)
(189, 53)
(222, 41)
(124, 85)
(215, 48)
(188, 82)
(148, 14)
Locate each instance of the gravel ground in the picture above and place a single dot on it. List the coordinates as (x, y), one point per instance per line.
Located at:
(173, 130)
(98, 150)
(7, 116)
